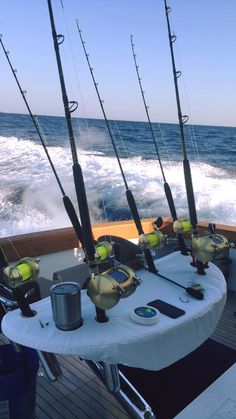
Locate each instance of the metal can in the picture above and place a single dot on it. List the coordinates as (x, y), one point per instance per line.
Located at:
(66, 305)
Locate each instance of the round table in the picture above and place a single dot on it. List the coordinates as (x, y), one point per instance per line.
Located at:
(123, 341)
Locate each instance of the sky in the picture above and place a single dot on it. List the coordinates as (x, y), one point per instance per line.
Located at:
(204, 53)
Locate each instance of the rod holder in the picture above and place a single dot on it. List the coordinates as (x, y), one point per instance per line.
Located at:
(101, 316)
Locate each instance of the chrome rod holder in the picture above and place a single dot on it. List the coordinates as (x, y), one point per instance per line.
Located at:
(50, 365)
(122, 389)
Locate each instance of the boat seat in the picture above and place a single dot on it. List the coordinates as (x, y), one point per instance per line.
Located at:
(124, 250)
(78, 273)
(224, 265)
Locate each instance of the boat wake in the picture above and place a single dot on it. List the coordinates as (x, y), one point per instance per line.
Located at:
(30, 199)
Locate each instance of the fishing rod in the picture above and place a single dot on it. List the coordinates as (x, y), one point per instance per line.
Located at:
(183, 119)
(212, 246)
(150, 264)
(167, 189)
(101, 251)
(70, 107)
(129, 195)
(66, 200)
(104, 289)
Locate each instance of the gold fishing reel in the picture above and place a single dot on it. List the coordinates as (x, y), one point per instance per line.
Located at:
(106, 289)
(151, 240)
(23, 271)
(182, 226)
(211, 247)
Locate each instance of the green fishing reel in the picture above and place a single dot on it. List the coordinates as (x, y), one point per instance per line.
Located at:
(103, 251)
(182, 226)
(211, 247)
(23, 271)
(150, 240)
(106, 289)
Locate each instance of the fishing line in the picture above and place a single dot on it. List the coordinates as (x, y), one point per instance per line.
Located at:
(121, 140)
(190, 128)
(168, 193)
(75, 69)
(4, 254)
(72, 56)
(129, 195)
(130, 158)
(82, 105)
(201, 166)
(69, 108)
(14, 248)
(97, 283)
(150, 263)
(103, 288)
(191, 131)
(183, 119)
(66, 200)
(164, 142)
(203, 248)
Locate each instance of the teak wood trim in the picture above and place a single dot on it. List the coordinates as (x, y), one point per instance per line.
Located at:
(44, 242)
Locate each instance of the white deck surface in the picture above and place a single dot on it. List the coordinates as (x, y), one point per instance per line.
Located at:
(218, 401)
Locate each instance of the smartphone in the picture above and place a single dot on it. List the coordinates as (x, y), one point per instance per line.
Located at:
(167, 309)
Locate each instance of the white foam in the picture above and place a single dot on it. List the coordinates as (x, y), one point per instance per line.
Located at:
(30, 199)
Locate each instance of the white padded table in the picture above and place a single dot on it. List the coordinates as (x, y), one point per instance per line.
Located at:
(120, 340)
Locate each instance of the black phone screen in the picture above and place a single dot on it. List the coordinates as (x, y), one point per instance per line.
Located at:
(167, 309)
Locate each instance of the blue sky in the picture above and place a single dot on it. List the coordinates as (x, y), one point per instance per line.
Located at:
(204, 50)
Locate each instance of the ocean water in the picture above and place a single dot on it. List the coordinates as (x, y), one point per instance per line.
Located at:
(30, 199)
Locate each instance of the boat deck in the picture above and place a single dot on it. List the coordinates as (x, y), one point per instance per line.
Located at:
(79, 393)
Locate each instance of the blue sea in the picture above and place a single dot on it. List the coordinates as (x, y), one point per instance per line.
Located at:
(30, 199)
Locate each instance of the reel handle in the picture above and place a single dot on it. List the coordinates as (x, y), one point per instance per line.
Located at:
(195, 293)
(15, 298)
(7, 300)
(22, 303)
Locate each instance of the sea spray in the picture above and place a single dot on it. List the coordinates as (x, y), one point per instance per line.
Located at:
(25, 172)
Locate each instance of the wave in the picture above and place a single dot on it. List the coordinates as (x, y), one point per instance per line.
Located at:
(30, 199)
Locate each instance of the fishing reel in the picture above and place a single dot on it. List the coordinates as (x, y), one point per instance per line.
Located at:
(106, 289)
(103, 251)
(14, 277)
(210, 247)
(151, 240)
(182, 226)
(23, 271)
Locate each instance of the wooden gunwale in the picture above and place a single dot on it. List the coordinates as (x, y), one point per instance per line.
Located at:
(49, 241)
